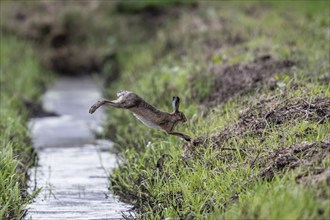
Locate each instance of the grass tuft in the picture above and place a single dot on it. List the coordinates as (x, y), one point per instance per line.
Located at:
(21, 77)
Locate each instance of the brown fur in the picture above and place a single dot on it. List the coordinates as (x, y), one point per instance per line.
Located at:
(163, 120)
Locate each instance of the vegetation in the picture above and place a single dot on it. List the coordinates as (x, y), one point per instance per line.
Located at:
(253, 79)
(20, 80)
(274, 66)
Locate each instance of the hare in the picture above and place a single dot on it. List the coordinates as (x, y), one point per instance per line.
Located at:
(146, 113)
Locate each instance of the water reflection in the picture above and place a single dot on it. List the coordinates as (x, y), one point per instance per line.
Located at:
(73, 167)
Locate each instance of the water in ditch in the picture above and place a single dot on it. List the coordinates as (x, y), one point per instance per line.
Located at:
(73, 166)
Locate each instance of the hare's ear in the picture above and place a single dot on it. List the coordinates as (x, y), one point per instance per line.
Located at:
(176, 103)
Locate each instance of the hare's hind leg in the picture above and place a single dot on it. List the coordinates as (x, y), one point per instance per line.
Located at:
(98, 104)
(181, 135)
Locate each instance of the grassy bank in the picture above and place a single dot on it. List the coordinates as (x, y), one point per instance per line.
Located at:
(253, 79)
(21, 77)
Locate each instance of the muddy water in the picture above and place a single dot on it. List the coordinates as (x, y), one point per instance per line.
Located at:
(73, 166)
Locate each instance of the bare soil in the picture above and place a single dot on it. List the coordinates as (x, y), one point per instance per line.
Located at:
(258, 118)
(305, 153)
(238, 79)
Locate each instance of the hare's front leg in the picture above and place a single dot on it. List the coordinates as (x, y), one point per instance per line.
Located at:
(98, 104)
(181, 135)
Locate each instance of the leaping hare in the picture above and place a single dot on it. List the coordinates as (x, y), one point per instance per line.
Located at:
(146, 113)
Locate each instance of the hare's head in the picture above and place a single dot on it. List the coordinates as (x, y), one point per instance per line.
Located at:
(179, 116)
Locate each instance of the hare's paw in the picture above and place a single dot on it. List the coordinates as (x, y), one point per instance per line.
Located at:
(94, 107)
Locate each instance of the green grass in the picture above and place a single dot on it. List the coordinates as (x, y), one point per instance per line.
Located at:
(216, 183)
(162, 183)
(21, 77)
(147, 69)
(281, 199)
